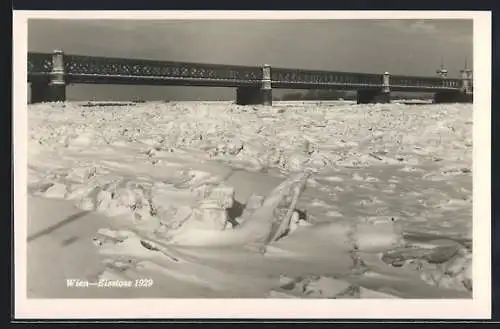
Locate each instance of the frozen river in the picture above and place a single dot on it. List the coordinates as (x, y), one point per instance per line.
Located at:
(370, 201)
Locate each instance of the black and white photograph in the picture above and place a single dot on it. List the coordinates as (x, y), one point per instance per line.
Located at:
(266, 158)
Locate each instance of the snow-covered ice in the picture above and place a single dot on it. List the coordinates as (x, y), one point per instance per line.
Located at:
(298, 200)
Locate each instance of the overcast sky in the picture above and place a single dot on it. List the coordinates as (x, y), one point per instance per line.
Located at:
(411, 47)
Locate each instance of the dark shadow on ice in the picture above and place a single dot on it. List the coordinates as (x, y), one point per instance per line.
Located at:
(52, 228)
(302, 214)
(237, 210)
(234, 212)
(418, 237)
(69, 241)
(102, 104)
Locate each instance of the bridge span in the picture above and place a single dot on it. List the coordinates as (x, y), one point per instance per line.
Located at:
(50, 73)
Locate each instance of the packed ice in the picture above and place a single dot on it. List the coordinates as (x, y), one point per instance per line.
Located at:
(297, 200)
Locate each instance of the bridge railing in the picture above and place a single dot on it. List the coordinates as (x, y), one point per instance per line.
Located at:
(76, 65)
(424, 82)
(291, 76)
(39, 63)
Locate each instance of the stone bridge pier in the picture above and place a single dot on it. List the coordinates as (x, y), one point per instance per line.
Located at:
(367, 96)
(257, 95)
(452, 97)
(53, 88)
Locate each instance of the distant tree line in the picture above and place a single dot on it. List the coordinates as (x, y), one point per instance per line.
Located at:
(324, 95)
(320, 95)
(331, 95)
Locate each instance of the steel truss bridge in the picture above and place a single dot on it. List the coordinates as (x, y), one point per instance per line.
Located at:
(49, 73)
